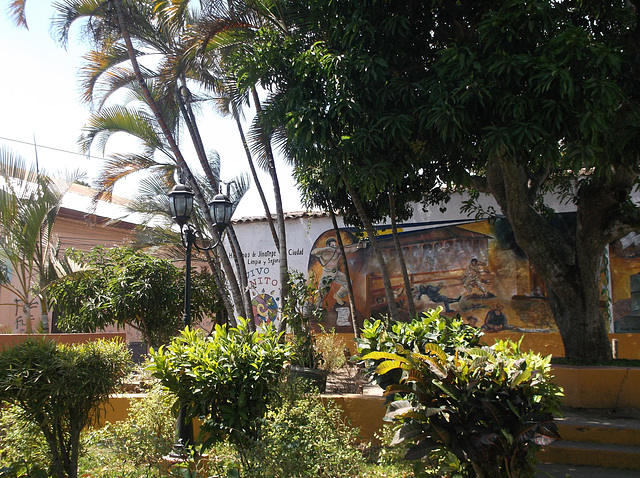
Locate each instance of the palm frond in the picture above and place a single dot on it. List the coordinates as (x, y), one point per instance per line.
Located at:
(17, 13)
(102, 125)
(119, 166)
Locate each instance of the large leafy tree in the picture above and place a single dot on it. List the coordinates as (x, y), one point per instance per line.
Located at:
(519, 99)
(320, 102)
(551, 109)
(121, 286)
(29, 204)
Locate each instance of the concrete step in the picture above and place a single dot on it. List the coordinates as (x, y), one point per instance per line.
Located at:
(592, 454)
(616, 431)
(554, 470)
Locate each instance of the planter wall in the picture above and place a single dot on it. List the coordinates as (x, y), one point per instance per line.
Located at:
(599, 387)
(584, 387)
(12, 339)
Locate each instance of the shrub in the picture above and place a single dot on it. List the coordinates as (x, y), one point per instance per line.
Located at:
(450, 334)
(60, 388)
(331, 348)
(491, 407)
(226, 379)
(23, 449)
(147, 435)
(303, 437)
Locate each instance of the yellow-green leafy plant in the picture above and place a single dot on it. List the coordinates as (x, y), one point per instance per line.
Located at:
(226, 378)
(490, 407)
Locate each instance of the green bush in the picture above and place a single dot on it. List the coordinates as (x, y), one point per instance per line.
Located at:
(450, 334)
(60, 388)
(23, 449)
(304, 437)
(490, 407)
(148, 434)
(226, 379)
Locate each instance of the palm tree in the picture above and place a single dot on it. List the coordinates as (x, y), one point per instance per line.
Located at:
(116, 25)
(224, 28)
(156, 161)
(29, 205)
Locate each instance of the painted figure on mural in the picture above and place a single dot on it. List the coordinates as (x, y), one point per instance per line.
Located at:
(329, 258)
(433, 293)
(495, 321)
(472, 280)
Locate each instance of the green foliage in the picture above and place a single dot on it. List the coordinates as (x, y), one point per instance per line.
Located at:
(124, 286)
(226, 379)
(23, 449)
(450, 334)
(305, 437)
(29, 204)
(491, 407)
(138, 443)
(379, 97)
(298, 310)
(60, 388)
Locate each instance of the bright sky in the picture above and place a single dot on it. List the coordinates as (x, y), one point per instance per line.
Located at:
(39, 102)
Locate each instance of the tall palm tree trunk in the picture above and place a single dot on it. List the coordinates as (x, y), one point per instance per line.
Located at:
(256, 180)
(284, 265)
(242, 272)
(386, 279)
(400, 255)
(233, 283)
(222, 289)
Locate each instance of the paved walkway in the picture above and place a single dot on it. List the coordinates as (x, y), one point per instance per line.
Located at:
(571, 471)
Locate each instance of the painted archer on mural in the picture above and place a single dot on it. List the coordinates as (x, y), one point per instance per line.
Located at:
(472, 279)
(329, 258)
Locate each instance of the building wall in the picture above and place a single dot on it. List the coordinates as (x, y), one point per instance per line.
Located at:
(471, 268)
(73, 231)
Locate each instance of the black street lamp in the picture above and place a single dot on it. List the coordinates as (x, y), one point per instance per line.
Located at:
(181, 206)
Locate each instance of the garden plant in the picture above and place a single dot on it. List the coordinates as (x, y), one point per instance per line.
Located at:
(489, 407)
(126, 287)
(59, 389)
(226, 379)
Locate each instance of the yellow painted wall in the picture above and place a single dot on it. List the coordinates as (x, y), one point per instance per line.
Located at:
(12, 339)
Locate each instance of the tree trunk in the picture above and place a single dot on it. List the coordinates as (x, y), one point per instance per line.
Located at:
(352, 299)
(256, 180)
(242, 273)
(222, 290)
(403, 265)
(569, 263)
(282, 235)
(221, 253)
(226, 265)
(196, 138)
(386, 279)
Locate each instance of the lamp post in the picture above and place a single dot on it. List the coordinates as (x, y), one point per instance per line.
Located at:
(181, 206)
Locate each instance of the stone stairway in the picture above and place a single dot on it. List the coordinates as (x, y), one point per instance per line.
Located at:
(597, 438)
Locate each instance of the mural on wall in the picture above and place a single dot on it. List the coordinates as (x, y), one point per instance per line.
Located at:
(327, 269)
(474, 269)
(625, 283)
(469, 269)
